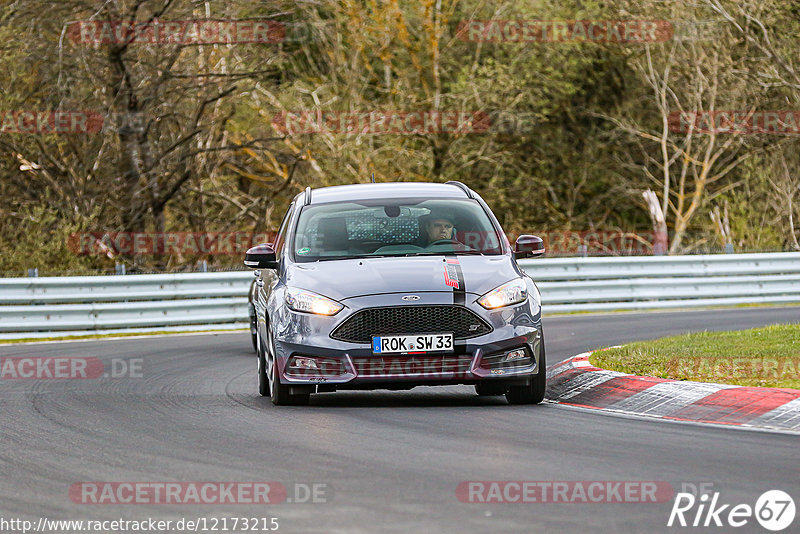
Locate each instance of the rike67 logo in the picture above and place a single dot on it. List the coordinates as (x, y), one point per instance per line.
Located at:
(774, 510)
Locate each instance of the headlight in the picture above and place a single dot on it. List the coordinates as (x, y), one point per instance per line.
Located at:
(513, 292)
(308, 302)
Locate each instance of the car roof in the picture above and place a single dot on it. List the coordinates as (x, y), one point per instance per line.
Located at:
(340, 193)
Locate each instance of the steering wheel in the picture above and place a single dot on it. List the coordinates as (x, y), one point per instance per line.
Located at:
(370, 245)
(457, 245)
(445, 241)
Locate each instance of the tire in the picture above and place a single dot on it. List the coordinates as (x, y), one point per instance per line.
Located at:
(263, 380)
(534, 392)
(280, 392)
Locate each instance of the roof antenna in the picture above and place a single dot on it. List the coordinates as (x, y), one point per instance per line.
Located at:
(373, 177)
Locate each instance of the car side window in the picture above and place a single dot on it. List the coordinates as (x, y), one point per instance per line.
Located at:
(281, 238)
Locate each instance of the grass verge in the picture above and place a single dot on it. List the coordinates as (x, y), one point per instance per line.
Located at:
(766, 357)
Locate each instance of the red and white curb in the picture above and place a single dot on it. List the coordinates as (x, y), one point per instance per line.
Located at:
(575, 382)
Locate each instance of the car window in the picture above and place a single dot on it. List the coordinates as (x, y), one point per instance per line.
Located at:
(393, 227)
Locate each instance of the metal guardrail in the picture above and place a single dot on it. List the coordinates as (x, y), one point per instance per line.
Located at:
(660, 282)
(98, 304)
(32, 307)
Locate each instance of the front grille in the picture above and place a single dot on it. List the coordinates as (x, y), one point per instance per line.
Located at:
(416, 366)
(362, 325)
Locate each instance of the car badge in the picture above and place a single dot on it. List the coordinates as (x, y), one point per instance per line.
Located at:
(411, 297)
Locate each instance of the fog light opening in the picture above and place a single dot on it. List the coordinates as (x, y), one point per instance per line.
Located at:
(299, 362)
(305, 366)
(515, 355)
(517, 358)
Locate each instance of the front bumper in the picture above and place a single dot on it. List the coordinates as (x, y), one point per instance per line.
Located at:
(344, 365)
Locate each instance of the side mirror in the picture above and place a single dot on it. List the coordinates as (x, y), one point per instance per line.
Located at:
(261, 257)
(528, 246)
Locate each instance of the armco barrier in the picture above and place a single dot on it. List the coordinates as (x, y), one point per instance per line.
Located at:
(81, 304)
(30, 307)
(651, 282)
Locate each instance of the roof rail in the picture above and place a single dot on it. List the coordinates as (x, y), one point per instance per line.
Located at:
(307, 200)
(461, 186)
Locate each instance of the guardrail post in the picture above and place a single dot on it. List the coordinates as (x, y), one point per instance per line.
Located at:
(120, 268)
(33, 273)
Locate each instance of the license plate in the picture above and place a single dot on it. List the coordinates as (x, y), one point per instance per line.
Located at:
(412, 344)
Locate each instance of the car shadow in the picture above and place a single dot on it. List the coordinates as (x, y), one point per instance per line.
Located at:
(399, 399)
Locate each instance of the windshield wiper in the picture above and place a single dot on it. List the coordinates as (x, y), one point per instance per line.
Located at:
(403, 255)
(451, 253)
(358, 257)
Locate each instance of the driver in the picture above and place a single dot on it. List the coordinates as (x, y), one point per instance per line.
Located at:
(436, 226)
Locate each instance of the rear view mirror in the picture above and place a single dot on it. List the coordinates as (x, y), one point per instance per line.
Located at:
(528, 246)
(261, 257)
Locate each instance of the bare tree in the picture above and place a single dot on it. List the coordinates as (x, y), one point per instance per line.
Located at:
(689, 165)
(167, 110)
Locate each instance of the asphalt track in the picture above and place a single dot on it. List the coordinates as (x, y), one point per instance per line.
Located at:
(391, 460)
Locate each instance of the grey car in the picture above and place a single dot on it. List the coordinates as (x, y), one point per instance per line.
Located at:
(393, 286)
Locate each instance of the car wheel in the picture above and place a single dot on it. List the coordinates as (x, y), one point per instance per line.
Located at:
(263, 380)
(534, 392)
(280, 392)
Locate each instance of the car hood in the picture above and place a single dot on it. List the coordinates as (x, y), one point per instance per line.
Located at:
(342, 279)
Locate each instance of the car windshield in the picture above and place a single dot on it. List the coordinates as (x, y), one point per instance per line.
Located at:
(393, 227)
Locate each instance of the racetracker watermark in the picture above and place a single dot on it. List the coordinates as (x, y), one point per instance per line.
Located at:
(207, 492)
(50, 122)
(739, 122)
(565, 31)
(382, 122)
(167, 243)
(411, 365)
(183, 32)
(567, 491)
(595, 242)
(787, 368)
(602, 242)
(68, 368)
(698, 30)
